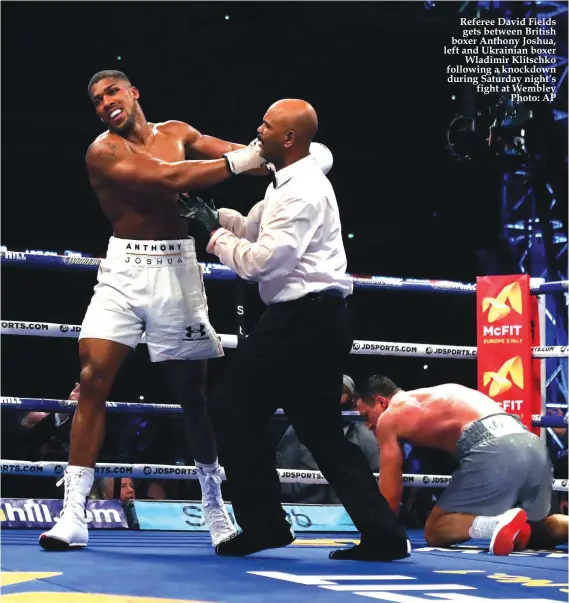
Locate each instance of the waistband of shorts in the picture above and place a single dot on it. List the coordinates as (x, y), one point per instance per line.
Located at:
(141, 252)
(486, 429)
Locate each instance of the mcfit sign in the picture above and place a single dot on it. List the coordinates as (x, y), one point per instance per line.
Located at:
(504, 342)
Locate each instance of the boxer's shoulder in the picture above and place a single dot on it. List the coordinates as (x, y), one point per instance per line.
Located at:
(401, 413)
(106, 147)
(179, 130)
(402, 402)
(389, 419)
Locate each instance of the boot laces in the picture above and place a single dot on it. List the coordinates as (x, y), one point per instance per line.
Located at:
(212, 490)
(72, 502)
(218, 519)
(214, 509)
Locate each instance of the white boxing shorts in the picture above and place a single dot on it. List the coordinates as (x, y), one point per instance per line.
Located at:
(155, 288)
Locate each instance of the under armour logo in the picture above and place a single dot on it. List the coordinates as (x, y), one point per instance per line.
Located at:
(196, 333)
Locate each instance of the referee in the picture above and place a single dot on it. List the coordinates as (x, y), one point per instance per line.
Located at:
(291, 244)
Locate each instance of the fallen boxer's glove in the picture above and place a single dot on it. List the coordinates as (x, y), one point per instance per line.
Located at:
(195, 208)
(245, 159)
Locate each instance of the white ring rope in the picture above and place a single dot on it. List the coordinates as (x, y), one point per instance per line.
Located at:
(376, 348)
(147, 471)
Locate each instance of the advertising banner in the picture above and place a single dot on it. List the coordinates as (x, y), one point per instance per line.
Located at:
(504, 342)
(188, 516)
(43, 513)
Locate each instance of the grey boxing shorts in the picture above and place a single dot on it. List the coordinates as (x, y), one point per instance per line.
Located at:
(502, 466)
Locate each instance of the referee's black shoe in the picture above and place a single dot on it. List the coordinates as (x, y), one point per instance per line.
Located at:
(244, 543)
(366, 551)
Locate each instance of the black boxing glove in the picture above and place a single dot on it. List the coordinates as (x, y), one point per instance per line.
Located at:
(195, 208)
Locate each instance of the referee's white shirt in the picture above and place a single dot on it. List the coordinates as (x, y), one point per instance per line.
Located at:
(291, 242)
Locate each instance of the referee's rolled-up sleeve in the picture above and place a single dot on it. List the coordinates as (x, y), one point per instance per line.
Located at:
(281, 244)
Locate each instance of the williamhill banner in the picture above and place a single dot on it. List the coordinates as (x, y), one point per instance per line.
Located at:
(43, 513)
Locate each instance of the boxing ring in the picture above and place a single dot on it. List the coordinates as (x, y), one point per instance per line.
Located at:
(143, 566)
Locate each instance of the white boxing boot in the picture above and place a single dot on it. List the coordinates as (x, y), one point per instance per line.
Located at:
(218, 521)
(71, 529)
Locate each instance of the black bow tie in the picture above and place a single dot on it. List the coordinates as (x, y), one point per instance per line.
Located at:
(273, 177)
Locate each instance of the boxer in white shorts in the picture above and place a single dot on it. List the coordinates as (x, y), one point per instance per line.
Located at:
(155, 287)
(150, 283)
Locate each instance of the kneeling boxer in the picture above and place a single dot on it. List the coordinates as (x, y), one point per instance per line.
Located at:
(505, 475)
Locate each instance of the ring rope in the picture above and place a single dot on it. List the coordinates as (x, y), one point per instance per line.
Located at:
(221, 272)
(68, 406)
(359, 347)
(218, 271)
(146, 471)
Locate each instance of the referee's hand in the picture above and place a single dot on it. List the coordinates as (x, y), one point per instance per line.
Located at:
(195, 208)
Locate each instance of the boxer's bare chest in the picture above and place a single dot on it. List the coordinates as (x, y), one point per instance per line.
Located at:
(161, 145)
(135, 215)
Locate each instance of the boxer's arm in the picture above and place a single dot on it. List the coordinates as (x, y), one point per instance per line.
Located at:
(390, 462)
(144, 173)
(203, 146)
(210, 147)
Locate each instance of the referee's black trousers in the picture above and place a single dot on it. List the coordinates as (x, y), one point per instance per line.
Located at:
(294, 359)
